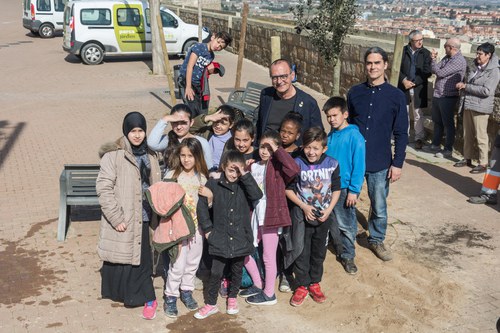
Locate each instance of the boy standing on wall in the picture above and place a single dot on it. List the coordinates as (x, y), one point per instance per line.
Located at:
(197, 59)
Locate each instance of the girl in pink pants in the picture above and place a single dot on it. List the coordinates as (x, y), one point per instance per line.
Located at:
(272, 173)
(190, 170)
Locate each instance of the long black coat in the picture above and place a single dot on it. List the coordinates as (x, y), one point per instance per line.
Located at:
(228, 221)
(423, 70)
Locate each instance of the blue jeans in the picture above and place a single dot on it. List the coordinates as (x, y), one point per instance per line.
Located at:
(348, 225)
(443, 117)
(378, 190)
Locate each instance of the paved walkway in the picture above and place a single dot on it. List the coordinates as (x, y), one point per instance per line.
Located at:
(56, 111)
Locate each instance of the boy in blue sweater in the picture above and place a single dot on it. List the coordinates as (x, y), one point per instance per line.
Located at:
(346, 145)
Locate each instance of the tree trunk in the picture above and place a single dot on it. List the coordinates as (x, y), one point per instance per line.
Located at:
(158, 59)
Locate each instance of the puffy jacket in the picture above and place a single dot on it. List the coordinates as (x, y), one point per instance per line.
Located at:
(119, 190)
(281, 170)
(176, 223)
(480, 88)
(228, 221)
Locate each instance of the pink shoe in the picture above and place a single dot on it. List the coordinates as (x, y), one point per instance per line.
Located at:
(232, 306)
(149, 311)
(206, 311)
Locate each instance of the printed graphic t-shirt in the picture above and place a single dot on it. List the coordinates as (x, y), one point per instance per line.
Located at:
(205, 57)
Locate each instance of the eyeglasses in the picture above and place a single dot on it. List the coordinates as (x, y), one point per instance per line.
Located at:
(417, 40)
(283, 77)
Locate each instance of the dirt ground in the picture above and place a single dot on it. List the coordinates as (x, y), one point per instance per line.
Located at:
(56, 111)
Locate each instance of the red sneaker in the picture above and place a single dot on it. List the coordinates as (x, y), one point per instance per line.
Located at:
(316, 293)
(299, 295)
(149, 310)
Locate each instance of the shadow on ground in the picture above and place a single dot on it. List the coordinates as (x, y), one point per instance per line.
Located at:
(465, 185)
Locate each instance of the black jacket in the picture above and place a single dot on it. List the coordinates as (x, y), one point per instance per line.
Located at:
(305, 104)
(228, 221)
(423, 70)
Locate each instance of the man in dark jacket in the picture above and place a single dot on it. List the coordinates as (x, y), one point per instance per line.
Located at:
(415, 70)
(282, 98)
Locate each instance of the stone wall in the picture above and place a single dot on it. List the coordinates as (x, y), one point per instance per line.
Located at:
(312, 70)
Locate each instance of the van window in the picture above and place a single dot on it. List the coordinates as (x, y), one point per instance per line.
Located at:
(95, 16)
(148, 17)
(59, 5)
(43, 5)
(27, 5)
(167, 20)
(129, 17)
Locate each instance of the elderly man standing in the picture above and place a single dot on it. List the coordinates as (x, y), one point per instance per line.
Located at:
(449, 71)
(413, 75)
(283, 97)
(379, 111)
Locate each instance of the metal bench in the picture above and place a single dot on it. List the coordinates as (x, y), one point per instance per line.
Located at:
(247, 100)
(77, 187)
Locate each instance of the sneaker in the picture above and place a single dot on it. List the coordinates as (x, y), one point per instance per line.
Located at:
(443, 154)
(479, 169)
(316, 293)
(462, 163)
(299, 296)
(349, 266)
(170, 307)
(284, 284)
(188, 300)
(232, 306)
(224, 285)
(251, 291)
(419, 144)
(262, 299)
(149, 311)
(380, 251)
(490, 199)
(432, 148)
(206, 311)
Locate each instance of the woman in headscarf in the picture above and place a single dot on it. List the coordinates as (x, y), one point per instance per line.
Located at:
(128, 168)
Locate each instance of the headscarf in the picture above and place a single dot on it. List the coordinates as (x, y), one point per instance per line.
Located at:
(131, 121)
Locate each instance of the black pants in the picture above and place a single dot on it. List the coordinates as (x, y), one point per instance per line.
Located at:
(196, 105)
(218, 264)
(309, 265)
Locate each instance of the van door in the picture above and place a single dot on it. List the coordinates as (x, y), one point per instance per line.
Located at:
(173, 35)
(58, 14)
(129, 27)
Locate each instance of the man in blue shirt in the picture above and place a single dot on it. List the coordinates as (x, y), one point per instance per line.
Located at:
(379, 110)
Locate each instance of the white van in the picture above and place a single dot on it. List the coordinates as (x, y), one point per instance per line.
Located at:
(96, 28)
(43, 17)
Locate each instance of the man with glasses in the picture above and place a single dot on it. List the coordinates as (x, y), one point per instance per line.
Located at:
(283, 97)
(413, 75)
(449, 71)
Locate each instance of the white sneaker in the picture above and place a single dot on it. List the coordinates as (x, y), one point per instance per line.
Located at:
(443, 154)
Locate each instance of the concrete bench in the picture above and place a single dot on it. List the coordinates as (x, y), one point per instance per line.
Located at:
(77, 188)
(247, 100)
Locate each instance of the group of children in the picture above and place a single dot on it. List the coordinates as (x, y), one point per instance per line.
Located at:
(239, 196)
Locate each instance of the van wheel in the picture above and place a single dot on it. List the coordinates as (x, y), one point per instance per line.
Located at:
(92, 54)
(188, 45)
(46, 31)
